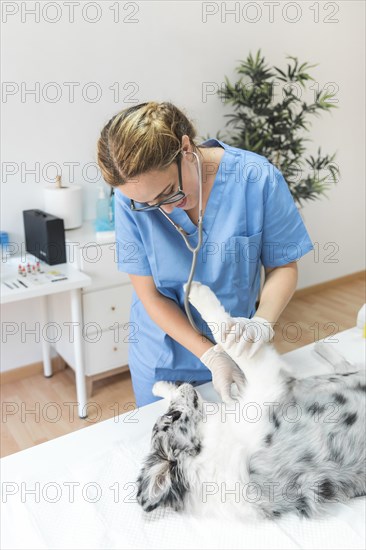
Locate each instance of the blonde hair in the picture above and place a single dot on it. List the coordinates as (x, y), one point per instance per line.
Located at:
(138, 139)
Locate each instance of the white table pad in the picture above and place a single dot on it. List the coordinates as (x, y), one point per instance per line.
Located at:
(104, 460)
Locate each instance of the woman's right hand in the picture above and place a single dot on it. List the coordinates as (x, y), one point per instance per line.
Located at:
(224, 372)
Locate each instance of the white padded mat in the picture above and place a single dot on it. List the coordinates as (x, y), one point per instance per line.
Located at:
(115, 520)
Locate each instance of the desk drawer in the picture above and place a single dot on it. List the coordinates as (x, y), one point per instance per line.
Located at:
(108, 351)
(104, 308)
(99, 261)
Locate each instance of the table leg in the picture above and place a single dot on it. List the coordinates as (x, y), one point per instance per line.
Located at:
(46, 347)
(76, 317)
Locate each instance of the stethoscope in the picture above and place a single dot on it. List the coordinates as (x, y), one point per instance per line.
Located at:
(192, 249)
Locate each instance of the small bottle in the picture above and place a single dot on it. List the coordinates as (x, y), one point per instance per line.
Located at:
(4, 245)
(102, 221)
(361, 320)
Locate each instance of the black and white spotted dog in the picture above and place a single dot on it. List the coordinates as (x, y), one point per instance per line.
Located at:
(287, 444)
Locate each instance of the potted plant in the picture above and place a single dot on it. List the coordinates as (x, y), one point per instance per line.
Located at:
(276, 129)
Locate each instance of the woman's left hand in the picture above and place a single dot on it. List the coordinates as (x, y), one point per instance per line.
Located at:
(248, 335)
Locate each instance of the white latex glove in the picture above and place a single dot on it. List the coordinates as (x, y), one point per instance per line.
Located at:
(224, 372)
(248, 335)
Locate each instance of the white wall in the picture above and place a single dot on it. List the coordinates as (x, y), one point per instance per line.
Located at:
(168, 51)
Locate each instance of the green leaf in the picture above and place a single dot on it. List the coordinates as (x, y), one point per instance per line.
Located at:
(276, 127)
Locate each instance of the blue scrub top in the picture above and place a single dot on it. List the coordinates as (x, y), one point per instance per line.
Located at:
(250, 219)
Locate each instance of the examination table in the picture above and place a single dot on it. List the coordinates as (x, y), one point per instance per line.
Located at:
(78, 491)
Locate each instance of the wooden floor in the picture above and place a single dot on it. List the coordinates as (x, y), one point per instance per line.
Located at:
(37, 409)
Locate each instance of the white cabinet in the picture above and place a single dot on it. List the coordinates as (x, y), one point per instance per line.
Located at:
(105, 305)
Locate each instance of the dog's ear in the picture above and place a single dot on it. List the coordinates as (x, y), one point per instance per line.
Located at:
(159, 483)
(153, 483)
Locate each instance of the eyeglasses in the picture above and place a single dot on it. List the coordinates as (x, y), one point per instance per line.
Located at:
(178, 196)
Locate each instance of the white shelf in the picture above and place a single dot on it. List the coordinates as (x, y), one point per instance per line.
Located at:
(86, 235)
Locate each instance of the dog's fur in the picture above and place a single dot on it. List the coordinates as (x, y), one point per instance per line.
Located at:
(286, 445)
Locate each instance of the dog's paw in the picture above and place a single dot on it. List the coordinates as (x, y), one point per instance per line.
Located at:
(163, 389)
(336, 359)
(209, 306)
(200, 295)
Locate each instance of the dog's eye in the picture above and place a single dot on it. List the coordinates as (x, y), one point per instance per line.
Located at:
(174, 415)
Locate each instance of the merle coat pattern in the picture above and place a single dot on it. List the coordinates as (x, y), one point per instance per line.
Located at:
(286, 445)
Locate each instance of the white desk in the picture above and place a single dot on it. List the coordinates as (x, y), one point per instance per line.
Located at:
(103, 462)
(15, 288)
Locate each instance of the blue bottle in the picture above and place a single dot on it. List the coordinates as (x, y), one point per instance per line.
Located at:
(102, 222)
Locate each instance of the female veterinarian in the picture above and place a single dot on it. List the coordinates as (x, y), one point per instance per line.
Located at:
(149, 155)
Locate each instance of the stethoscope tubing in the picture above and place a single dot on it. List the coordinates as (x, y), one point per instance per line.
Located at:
(192, 249)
